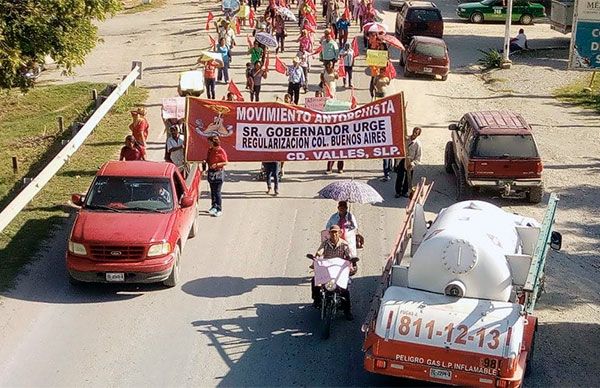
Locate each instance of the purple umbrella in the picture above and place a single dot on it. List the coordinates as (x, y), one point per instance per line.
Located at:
(351, 191)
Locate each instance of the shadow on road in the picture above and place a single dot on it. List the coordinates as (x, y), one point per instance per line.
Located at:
(226, 286)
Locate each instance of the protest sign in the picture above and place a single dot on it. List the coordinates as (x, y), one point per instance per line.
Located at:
(173, 108)
(377, 58)
(271, 131)
(315, 103)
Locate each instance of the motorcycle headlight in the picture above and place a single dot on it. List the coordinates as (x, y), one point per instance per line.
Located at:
(77, 248)
(159, 249)
(330, 285)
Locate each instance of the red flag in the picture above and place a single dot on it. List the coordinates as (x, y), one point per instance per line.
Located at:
(346, 14)
(280, 67)
(355, 47)
(353, 102)
(237, 26)
(233, 89)
(318, 50)
(390, 70)
(251, 18)
(209, 18)
(311, 4)
(213, 44)
(341, 69)
(250, 44)
(311, 19)
(327, 90)
(267, 62)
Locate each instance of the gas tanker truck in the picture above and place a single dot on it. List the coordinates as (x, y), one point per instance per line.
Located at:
(458, 309)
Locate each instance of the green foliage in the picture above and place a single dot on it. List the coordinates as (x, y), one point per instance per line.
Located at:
(25, 235)
(583, 93)
(491, 59)
(30, 30)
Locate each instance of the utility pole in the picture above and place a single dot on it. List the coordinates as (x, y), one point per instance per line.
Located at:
(506, 63)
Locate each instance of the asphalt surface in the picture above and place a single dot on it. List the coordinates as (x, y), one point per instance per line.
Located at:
(242, 314)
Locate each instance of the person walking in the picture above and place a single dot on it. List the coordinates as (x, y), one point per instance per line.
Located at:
(329, 79)
(347, 56)
(132, 150)
(295, 79)
(406, 166)
(257, 75)
(210, 78)
(174, 148)
(305, 42)
(256, 52)
(139, 126)
(280, 33)
(340, 167)
(331, 51)
(272, 171)
(216, 159)
(342, 26)
(305, 65)
(225, 51)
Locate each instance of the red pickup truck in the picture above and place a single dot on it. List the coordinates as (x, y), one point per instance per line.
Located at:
(133, 224)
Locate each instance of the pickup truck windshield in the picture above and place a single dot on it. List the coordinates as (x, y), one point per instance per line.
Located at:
(505, 146)
(130, 194)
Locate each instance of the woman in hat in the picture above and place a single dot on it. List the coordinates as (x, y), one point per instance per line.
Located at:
(347, 224)
(139, 126)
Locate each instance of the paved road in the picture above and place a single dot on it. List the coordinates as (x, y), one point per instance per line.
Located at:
(241, 315)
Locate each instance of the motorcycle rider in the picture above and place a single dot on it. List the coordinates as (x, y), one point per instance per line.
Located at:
(348, 225)
(333, 247)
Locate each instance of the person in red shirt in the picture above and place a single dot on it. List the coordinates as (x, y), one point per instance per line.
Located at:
(139, 126)
(132, 150)
(210, 78)
(216, 159)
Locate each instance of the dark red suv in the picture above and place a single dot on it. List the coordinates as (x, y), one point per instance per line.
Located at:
(418, 18)
(496, 150)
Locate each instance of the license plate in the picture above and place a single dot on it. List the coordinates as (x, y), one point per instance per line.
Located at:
(115, 277)
(427, 70)
(443, 374)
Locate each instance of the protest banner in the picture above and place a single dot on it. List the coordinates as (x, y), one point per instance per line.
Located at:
(315, 103)
(378, 58)
(271, 131)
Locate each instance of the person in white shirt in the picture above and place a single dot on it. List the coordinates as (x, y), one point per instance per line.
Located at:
(174, 148)
(405, 166)
(519, 42)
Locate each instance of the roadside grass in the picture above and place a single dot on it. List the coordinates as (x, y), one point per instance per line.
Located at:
(578, 93)
(28, 129)
(141, 7)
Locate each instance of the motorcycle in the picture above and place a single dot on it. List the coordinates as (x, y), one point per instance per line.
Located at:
(333, 277)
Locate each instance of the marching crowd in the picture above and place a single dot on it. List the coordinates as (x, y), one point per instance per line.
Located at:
(332, 51)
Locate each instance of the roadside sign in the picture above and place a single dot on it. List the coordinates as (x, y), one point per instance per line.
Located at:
(585, 40)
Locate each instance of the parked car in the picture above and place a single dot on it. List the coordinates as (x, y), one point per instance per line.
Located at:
(418, 18)
(133, 224)
(426, 55)
(523, 11)
(496, 150)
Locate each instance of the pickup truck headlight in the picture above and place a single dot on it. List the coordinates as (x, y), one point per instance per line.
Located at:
(159, 249)
(77, 248)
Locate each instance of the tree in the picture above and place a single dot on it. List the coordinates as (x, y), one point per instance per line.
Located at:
(30, 30)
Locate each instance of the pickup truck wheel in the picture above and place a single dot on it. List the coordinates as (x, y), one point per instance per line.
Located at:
(526, 19)
(463, 190)
(173, 278)
(476, 17)
(444, 77)
(449, 157)
(536, 194)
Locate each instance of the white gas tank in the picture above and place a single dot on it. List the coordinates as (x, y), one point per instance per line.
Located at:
(463, 253)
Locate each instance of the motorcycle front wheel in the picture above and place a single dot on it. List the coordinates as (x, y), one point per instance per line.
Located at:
(327, 307)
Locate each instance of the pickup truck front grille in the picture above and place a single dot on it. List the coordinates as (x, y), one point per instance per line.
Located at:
(112, 252)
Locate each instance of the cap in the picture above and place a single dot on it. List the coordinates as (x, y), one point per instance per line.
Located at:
(335, 228)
